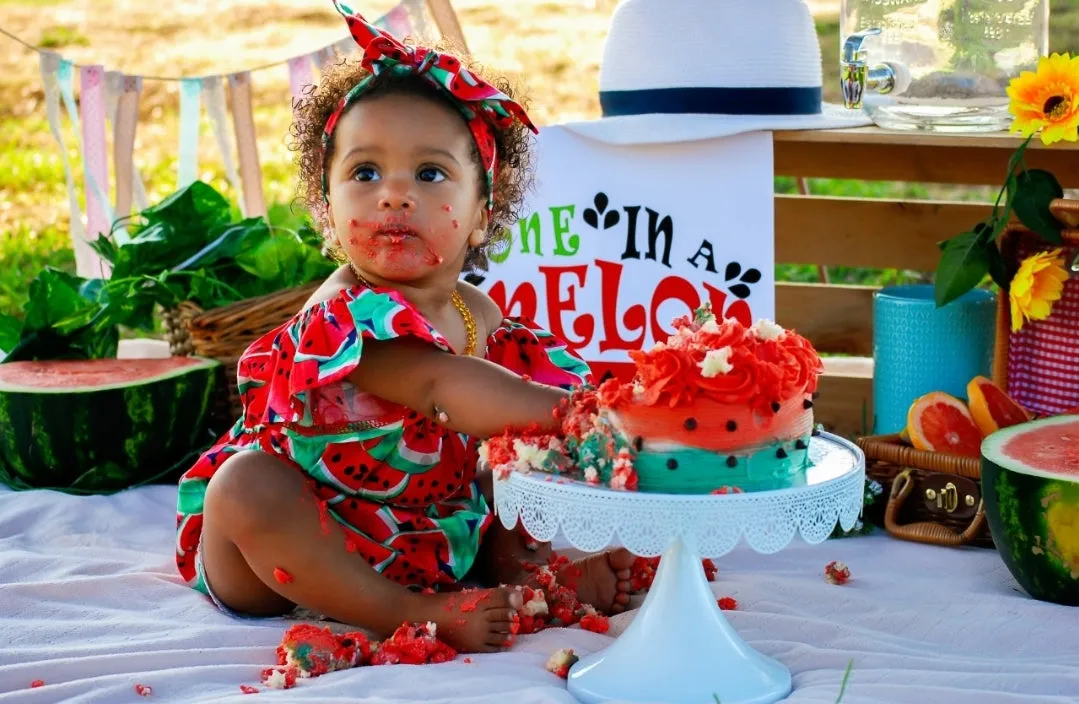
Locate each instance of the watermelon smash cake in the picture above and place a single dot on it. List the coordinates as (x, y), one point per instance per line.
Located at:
(719, 407)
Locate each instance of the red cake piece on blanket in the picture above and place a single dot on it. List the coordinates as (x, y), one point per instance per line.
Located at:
(314, 651)
(413, 644)
(280, 677)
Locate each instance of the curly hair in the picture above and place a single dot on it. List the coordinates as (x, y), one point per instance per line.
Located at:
(513, 176)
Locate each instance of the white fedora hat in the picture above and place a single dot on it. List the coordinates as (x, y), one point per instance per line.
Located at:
(685, 70)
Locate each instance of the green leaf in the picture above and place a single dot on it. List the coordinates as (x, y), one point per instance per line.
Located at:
(1034, 190)
(62, 320)
(962, 266)
(998, 268)
(10, 329)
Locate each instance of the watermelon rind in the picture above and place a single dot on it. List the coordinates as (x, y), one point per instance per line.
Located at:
(108, 437)
(1033, 514)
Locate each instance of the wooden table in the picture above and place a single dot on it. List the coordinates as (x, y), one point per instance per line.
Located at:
(877, 233)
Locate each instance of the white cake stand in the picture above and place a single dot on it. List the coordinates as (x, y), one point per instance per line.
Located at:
(680, 647)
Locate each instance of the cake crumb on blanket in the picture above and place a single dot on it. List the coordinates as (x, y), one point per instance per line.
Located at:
(561, 661)
(837, 572)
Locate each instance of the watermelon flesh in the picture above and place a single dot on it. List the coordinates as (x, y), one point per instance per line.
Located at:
(1051, 451)
(101, 425)
(1030, 484)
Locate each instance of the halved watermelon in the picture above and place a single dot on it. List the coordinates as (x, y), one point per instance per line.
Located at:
(1030, 484)
(102, 425)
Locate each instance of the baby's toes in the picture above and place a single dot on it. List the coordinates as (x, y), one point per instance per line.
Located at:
(620, 560)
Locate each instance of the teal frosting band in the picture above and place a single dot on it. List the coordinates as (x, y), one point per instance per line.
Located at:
(689, 470)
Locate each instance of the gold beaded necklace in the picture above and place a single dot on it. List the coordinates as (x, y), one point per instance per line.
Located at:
(458, 303)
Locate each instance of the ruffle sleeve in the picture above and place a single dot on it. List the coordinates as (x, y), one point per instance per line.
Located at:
(527, 349)
(322, 345)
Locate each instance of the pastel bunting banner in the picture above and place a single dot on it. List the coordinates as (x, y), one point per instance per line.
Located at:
(50, 69)
(397, 22)
(123, 112)
(95, 155)
(190, 110)
(243, 121)
(324, 57)
(417, 16)
(213, 93)
(299, 76)
(108, 107)
(345, 46)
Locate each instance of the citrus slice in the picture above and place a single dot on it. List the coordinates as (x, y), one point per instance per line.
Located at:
(991, 408)
(939, 422)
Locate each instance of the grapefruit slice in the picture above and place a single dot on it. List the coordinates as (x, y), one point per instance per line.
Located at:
(939, 422)
(991, 408)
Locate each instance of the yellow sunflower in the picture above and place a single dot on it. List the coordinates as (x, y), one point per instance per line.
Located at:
(1038, 283)
(1047, 100)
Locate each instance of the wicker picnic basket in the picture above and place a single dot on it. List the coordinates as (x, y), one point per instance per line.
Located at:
(935, 497)
(932, 497)
(224, 333)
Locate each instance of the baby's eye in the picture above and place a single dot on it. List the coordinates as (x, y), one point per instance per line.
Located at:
(431, 174)
(365, 173)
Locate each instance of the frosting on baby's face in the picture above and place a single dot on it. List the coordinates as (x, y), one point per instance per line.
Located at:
(404, 189)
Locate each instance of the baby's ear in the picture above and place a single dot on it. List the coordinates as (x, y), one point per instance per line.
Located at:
(479, 233)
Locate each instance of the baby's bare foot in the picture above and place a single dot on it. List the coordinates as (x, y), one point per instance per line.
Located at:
(473, 621)
(600, 580)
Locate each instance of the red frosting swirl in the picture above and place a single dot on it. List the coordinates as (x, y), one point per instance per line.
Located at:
(763, 370)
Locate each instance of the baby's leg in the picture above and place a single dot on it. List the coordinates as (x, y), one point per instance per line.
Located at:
(600, 580)
(259, 514)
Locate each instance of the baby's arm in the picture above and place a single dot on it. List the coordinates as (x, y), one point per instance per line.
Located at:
(479, 397)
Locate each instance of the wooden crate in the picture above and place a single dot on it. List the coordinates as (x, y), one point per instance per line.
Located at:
(877, 233)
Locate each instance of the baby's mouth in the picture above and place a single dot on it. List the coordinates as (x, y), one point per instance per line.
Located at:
(395, 232)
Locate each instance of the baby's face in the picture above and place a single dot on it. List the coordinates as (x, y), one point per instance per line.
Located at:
(404, 190)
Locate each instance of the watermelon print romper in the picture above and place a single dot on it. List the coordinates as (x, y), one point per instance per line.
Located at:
(401, 486)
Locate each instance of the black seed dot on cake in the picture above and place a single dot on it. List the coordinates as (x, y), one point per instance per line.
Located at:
(346, 643)
(731, 426)
(800, 444)
(775, 406)
(638, 443)
(781, 453)
(690, 424)
(815, 432)
(732, 461)
(672, 463)
(807, 404)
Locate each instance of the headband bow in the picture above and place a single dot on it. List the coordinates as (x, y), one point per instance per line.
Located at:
(485, 108)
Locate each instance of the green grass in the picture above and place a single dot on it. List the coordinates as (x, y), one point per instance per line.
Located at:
(62, 36)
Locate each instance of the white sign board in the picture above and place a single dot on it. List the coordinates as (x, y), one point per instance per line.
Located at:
(617, 241)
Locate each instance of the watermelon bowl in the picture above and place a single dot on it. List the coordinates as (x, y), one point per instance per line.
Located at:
(1030, 485)
(103, 425)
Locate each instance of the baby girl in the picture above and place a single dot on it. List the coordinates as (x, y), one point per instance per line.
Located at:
(350, 484)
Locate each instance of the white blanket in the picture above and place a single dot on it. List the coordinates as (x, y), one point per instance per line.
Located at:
(91, 603)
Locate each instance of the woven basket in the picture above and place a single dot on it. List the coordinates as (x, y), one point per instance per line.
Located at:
(933, 497)
(1036, 365)
(225, 333)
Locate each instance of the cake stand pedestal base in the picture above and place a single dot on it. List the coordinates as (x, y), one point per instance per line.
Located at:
(679, 648)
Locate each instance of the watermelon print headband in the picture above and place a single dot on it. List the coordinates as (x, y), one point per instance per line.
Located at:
(484, 107)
